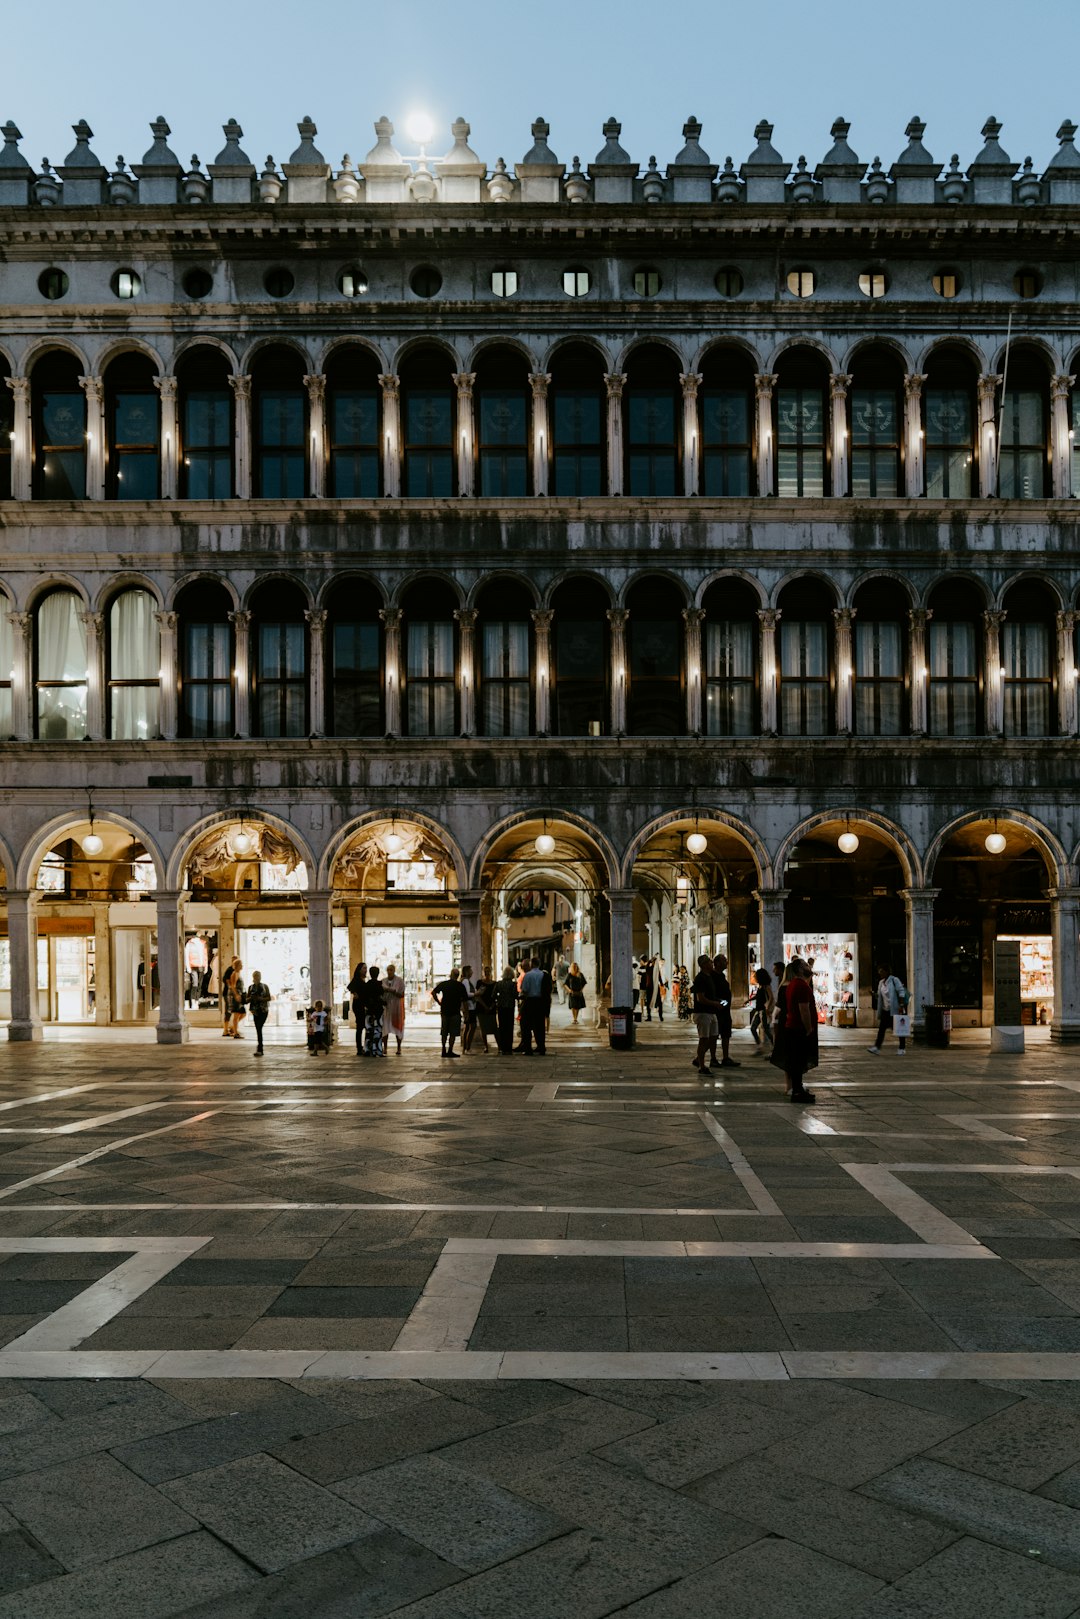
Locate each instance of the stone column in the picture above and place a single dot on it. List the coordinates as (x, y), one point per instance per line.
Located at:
(839, 383)
(621, 903)
(22, 683)
(22, 943)
(691, 382)
(170, 674)
(615, 381)
(470, 901)
(919, 917)
(172, 1028)
(764, 383)
(22, 443)
(770, 926)
(1060, 442)
(919, 618)
(769, 618)
(1065, 928)
(94, 624)
(316, 621)
(466, 619)
(914, 438)
(94, 390)
(241, 387)
(539, 382)
(466, 432)
(391, 435)
(617, 617)
(316, 390)
(988, 385)
(993, 619)
(542, 617)
(738, 951)
(241, 623)
(170, 448)
(354, 915)
(226, 937)
(1066, 671)
(391, 617)
(693, 618)
(103, 969)
(320, 946)
(844, 619)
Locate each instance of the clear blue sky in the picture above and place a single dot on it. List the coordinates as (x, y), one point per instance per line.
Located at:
(576, 62)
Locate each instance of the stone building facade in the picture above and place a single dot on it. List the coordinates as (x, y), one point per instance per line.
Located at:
(386, 547)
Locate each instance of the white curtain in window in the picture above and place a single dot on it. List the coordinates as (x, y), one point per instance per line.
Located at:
(61, 638)
(134, 640)
(7, 666)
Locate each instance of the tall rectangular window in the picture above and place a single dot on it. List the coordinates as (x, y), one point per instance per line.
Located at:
(430, 678)
(354, 443)
(134, 667)
(656, 691)
(875, 442)
(879, 678)
(281, 449)
(133, 449)
(729, 679)
(506, 688)
(61, 669)
(800, 458)
(7, 669)
(206, 470)
(1022, 455)
(281, 680)
(356, 679)
(429, 440)
(804, 677)
(952, 650)
(61, 448)
(7, 427)
(504, 426)
(652, 446)
(950, 444)
(577, 426)
(207, 683)
(726, 427)
(1029, 679)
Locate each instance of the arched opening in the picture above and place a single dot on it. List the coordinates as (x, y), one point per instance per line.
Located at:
(807, 674)
(577, 422)
(1028, 638)
(502, 423)
(504, 634)
(7, 429)
(58, 414)
(1024, 467)
(279, 677)
(204, 609)
(581, 690)
(726, 410)
(730, 658)
(801, 424)
(955, 659)
(206, 424)
(880, 665)
(427, 415)
(60, 668)
(876, 411)
(280, 415)
(355, 690)
(133, 667)
(652, 402)
(431, 685)
(951, 439)
(353, 419)
(7, 669)
(656, 700)
(132, 429)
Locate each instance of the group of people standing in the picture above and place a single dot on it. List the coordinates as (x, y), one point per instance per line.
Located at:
(378, 1008)
(487, 1008)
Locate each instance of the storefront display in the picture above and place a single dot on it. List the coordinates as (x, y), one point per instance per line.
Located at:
(1036, 976)
(834, 962)
(422, 955)
(281, 956)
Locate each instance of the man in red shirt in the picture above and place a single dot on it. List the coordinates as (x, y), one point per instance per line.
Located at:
(799, 1043)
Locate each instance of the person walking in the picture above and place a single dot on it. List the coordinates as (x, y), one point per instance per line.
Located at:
(562, 973)
(795, 1044)
(486, 1015)
(760, 1017)
(643, 987)
(683, 998)
(226, 997)
(506, 999)
(575, 989)
(723, 1014)
(394, 1015)
(356, 987)
(706, 1005)
(259, 1005)
(450, 996)
(374, 1006)
(892, 1002)
(532, 1010)
(469, 1030)
(237, 999)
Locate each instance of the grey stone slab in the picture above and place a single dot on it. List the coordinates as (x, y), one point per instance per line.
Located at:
(1025, 1445)
(506, 1399)
(707, 1334)
(852, 1448)
(195, 1303)
(117, 1423)
(508, 1453)
(340, 1303)
(977, 1506)
(88, 1511)
(149, 1584)
(20, 1411)
(357, 1447)
(772, 1579)
(22, 1561)
(970, 1580)
(218, 1440)
(559, 1332)
(1010, 1332)
(972, 1400)
(365, 1270)
(212, 1272)
(61, 1267)
(554, 1297)
(674, 1453)
(894, 1330)
(182, 1332)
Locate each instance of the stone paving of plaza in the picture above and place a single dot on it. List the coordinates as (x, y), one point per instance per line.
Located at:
(555, 1339)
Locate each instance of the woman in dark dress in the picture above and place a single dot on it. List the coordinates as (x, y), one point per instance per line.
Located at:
(575, 984)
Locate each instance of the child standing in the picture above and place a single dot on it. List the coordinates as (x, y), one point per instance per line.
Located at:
(318, 1030)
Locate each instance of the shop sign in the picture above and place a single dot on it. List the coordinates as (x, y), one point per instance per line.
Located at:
(1024, 919)
(1007, 983)
(65, 927)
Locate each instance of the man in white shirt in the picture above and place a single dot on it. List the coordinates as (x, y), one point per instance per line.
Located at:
(892, 1000)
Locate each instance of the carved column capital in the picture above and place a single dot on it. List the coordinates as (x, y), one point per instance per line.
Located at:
(615, 381)
(994, 618)
(315, 383)
(1060, 387)
(617, 617)
(23, 623)
(463, 381)
(844, 617)
(240, 621)
(691, 382)
(466, 617)
(542, 617)
(693, 616)
(391, 617)
(167, 621)
(539, 382)
(1066, 620)
(316, 617)
(914, 382)
(988, 384)
(166, 387)
(769, 617)
(241, 386)
(919, 617)
(20, 387)
(93, 388)
(839, 383)
(764, 383)
(390, 385)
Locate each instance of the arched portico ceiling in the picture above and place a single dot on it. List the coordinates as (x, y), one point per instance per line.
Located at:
(216, 843)
(580, 849)
(384, 821)
(875, 832)
(730, 843)
(966, 836)
(122, 840)
(362, 862)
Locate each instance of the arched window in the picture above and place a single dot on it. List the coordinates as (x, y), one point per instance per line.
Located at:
(954, 655)
(1027, 659)
(279, 660)
(876, 410)
(430, 660)
(880, 660)
(7, 427)
(581, 703)
(427, 416)
(729, 656)
(206, 425)
(652, 401)
(504, 632)
(1074, 437)
(949, 402)
(279, 406)
(59, 425)
(726, 405)
(133, 662)
(502, 421)
(355, 687)
(577, 413)
(352, 417)
(7, 668)
(656, 704)
(801, 424)
(60, 673)
(1024, 452)
(133, 460)
(806, 636)
(206, 660)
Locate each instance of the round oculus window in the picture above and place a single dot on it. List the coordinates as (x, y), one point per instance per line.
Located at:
(197, 282)
(126, 283)
(53, 283)
(279, 282)
(352, 282)
(729, 282)
(425, 281)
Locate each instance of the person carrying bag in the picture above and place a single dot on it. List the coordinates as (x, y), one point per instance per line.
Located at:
(892, 1009)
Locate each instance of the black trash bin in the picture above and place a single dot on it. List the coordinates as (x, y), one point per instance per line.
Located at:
(620, 1022)
(938, 1025)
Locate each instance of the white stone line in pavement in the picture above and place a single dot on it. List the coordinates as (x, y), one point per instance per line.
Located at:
(976, 1125)
(371, 1208)
(762, 1199)
(1033, 1365)
(97, 1245)
(99, 1120)
(68, 1326)
(98, 1152)
(405, 1093)
(555, 1247)
(922, 1217)
(983, 1169)
(444, 1315)
(542, 1093)
(51, 1096)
